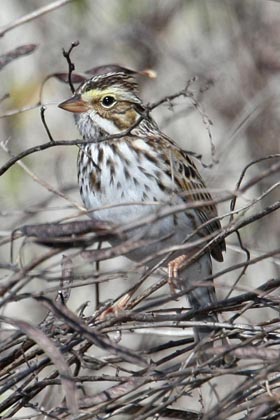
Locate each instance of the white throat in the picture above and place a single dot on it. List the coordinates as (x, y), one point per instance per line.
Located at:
(106, 125)
(91, 125)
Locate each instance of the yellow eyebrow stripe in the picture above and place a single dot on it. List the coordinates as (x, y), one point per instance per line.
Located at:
(97, 94)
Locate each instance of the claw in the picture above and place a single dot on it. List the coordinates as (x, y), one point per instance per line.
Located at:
(174, 267)
(117, 307)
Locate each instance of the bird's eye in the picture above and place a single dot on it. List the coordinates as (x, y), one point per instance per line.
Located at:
(108, 101)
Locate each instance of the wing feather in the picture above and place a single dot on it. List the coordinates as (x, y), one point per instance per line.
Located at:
(191, 184)
(193, 188)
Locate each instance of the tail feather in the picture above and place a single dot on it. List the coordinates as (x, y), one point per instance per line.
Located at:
(200, 296)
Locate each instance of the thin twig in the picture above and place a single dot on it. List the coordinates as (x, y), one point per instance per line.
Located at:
(33, 15)
(71, 66)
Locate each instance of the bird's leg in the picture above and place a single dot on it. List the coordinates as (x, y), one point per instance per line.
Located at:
(174, 266)
(117, 307)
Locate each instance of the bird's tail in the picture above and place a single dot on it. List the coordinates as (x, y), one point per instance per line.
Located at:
(200, 295)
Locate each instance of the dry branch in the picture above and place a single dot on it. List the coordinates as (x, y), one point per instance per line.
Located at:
(75, 352)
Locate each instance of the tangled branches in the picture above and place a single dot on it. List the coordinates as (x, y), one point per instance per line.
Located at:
(76, 364)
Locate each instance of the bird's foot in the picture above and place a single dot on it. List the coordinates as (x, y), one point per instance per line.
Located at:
(174, 267)
(118, 307)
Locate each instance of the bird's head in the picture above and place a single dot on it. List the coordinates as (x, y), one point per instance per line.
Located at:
(109, 100)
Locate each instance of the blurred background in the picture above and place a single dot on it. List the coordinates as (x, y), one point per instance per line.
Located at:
(231, 47)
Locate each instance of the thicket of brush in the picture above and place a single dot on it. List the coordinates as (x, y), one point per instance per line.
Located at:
(217, 95)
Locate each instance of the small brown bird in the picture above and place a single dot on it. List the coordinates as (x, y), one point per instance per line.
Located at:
(139, 173)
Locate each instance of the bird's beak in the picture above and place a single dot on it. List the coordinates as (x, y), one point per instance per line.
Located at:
(74, 104)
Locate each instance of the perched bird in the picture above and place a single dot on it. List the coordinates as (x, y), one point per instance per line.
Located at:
(139, 172)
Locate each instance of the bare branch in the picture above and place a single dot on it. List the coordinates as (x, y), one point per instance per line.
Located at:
(33, 15)
(16, 53)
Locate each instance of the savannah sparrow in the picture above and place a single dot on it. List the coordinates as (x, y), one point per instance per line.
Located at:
(140, 172)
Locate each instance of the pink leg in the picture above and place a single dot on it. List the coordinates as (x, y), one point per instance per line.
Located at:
(117, 307)
(174, 267)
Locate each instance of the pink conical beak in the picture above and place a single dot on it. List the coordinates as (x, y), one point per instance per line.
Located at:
(74, 104)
